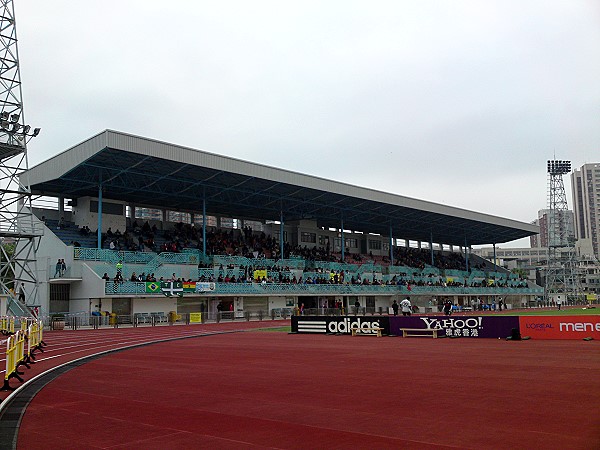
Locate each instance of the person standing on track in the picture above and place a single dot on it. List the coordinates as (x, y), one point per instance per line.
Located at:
(559, 302)
(447, 307)
(406, 306)
(395, 307)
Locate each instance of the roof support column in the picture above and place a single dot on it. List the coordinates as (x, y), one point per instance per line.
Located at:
(431, 247)
(495, 263)
(281, 255)
(342, 240)
(204, 221)
(466, 255)
(391, 246)
(100, 214)
(131, 212)
(61, 206)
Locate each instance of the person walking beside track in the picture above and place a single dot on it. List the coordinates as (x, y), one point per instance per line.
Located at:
(406, 306)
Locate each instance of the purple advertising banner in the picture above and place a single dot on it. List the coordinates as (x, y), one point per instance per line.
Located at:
(459, 326)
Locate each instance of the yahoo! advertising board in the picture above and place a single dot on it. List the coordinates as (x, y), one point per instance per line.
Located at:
(536, 327)
(459, 326)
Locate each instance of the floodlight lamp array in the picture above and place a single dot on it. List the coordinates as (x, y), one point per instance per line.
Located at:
(557, 167)
(9, 123)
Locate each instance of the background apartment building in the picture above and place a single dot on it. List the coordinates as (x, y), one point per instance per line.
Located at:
(564, 228)
(586, 204)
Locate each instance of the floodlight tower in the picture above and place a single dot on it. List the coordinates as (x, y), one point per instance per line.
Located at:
(20, 231)
(561, 271)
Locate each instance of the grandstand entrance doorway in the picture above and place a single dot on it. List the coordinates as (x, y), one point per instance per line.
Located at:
(191, 305)
(309, 302)
(121, 306)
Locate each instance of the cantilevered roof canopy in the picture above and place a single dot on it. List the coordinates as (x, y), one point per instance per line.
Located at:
(151, 173)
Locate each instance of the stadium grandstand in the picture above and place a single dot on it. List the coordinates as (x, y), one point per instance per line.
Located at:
(141, 228)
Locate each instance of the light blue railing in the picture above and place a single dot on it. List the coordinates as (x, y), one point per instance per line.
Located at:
(409, 271)
(225, 260)
(153, 260)
(456, 273)
(130, 287)
(335, 266)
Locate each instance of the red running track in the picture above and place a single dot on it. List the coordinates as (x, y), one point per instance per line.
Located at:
(67, 345)
(275, 390)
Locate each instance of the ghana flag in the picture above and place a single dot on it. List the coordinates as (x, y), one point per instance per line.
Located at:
(152, 287)
(189, 286)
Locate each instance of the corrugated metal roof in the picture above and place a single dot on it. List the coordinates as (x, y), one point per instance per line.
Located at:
(152, 173)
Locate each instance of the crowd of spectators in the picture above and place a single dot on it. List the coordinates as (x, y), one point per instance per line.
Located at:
(259, 246)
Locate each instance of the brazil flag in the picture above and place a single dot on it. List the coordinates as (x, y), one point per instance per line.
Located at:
(152, 287)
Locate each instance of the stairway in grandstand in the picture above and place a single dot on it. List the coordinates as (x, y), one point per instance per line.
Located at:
(70, 234)
(15, 307)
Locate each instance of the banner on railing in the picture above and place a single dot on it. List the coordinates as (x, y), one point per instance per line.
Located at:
(205, 287)
(258, 274)
(170, 288)
(152, 287)
(189, 286)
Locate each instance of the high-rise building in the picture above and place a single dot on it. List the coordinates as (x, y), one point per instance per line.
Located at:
(585, 184)
(563, 222)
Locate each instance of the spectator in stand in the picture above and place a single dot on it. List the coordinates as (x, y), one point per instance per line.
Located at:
(57, 269)
(22, 293)
(63, 267)
(105, 277)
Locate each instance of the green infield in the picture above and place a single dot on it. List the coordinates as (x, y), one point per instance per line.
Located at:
(286, 329)
(583, 311)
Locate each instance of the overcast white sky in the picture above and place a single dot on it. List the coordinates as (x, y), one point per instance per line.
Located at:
(455, 102)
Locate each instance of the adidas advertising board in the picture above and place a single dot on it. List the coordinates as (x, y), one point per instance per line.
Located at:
(454, 326)
(338, 325)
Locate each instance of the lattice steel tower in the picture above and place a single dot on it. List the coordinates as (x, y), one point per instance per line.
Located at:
(561, 271)
(20, 231)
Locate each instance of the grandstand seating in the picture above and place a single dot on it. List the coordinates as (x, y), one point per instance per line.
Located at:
(412, 266)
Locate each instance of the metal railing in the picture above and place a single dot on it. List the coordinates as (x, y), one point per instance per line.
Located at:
(132, 287)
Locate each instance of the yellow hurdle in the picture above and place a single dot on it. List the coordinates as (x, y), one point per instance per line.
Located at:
(41, 333)
(34, 339)
(20, 346)
(7, 325)
(15, 353)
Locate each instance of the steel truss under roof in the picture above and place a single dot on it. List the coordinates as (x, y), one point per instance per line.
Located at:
(150, 173)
